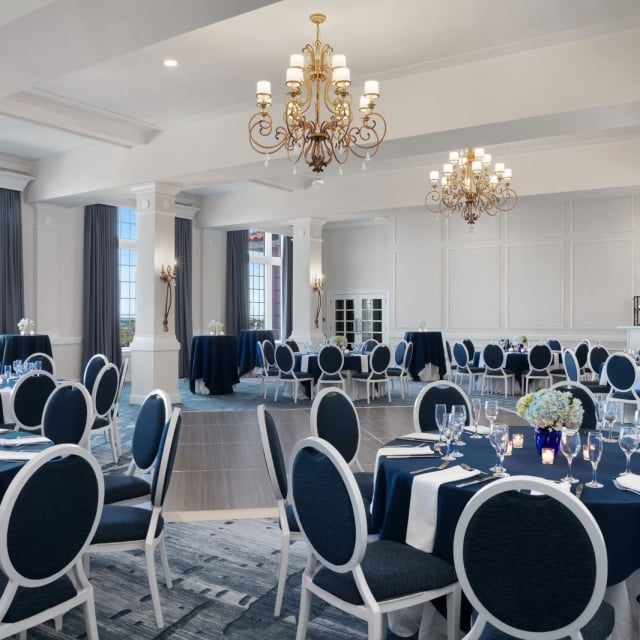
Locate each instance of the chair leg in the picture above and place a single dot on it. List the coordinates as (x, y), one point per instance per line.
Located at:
(282, 572)
(57, 623)
(90, 623)
(114, 448)
(376, 627)
(453, 613)
(153, 584)
(303, 615)
(165, 564)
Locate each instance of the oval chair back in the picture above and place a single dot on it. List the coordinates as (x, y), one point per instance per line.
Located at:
(330, 361)
(152, 418)
(540, 357)
(46, 361)
(586, 397)
(437, 392)
(380, 359)
(285, 358)
(494, 357)
(92, 369)
(166, 459)
(29, 397)
(294, 345)
(597, 357)
(582, 355)
(571, 365)
(369, 345)
(554, 345)
(68, 415)
(460, 355)
(269, 353)
(105, 390)
(399, 353)
(471, 350)
(622, 372)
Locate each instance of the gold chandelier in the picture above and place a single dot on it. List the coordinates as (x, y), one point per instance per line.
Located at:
(318, 83)
(468, 187)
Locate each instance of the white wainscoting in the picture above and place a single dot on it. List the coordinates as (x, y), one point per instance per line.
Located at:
(418, 298)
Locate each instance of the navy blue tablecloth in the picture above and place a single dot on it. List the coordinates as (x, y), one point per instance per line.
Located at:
(16, 347)
(215, 360)
(352, 362)
(248, 348)
(616, 512)
(428, 348)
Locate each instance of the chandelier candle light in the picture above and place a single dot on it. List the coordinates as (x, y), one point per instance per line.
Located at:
(318, 83)
(470, 188)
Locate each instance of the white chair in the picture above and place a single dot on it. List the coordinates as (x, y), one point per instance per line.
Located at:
(287, 375)
(103, 396)
(277, 471)
(494, 361)
(269, 369)
(623, 377)
(402, 357)
(331, 514)
(437, 392)
(540, 359)
(92, 369)
(29, 397)
(331, 361)
(464, 366)
(68, 415)
(377, 374)
(46, 361)
(496, 551)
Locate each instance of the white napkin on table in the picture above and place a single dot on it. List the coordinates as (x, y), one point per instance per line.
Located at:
(429, 436)
(423, 507)
(364, 364)
(22, 440)
(401, 451)
(630, 482)
(483, 430)
(304, 364)
(15, 456)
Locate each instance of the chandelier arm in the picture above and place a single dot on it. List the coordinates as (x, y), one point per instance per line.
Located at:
(366, 138)
(261, 125)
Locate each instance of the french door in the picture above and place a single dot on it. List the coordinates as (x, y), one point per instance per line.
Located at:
(358, 317)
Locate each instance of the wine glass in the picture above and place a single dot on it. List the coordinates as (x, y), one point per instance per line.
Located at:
(610, 415)
(570, 446)
(497, 467)
(459, 412)
(448, 432)
(594, 449)
(491, 410)
(628, 442)
(501, 442)
(600, 407)
(17, 367)
(440, 413)
(476, 410)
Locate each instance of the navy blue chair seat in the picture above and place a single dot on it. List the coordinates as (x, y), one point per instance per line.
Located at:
(119, 487)
(122, 523)
(30, 602)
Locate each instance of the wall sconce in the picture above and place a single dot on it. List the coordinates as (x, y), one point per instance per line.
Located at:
(317, 285)
(167, 276)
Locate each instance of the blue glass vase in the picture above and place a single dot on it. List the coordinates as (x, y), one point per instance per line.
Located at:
(547, 439)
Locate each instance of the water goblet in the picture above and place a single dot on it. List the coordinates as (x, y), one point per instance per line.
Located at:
(476, 410)
(594, 449)
(440, 413)
(491, 410)
(600, 407)
(492, 441)
(17, 367)
(501, 443)
(628, 442)
(448, 432)
(610, 415)
(570, 446)
(459, 412)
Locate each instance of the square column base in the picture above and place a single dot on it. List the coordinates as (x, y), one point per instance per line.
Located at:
(154, 365)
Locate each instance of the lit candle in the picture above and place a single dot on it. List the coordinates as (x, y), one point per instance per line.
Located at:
(509, 448)
(585, 452)
(518, 440)
(547, 456)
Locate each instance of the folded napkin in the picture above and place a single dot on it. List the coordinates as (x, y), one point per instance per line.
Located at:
(364, 364)
(399, 451)
(482, 430)
(22, 440)
(423, 507)
(15, 456)
(304, 363)
(630, 482)
(429, 436)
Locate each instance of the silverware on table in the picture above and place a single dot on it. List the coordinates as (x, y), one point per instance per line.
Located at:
(579, 489)
(433, 468)
(411, 455)
(476, 481)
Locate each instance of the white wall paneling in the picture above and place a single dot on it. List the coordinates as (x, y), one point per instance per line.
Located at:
(418, 289)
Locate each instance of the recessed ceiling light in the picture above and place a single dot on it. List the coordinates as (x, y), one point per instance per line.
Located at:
(170, 62)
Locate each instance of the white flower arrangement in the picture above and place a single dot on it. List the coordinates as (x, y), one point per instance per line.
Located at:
(340, 340)
(215, 327)
(26, 325)
(551, 409)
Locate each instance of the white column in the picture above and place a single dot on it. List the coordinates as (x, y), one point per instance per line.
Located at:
(307, 263)
(154, 351)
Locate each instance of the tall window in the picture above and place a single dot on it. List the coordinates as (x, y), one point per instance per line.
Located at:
(265, 281)
(127, 260)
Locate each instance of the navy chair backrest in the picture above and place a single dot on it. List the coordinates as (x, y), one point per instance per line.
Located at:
(294, 346)
(285, 358)
(493, 356)
(554, 345)
(105, 390)
(330, 359)
(67, 414)
(166, 458)
(54, 503)
(398, 356)
(273, 456)
(571, 367)
(438, 393)
(470, 348)
(269, 353)
(597, 357)
(45, 360)
(408, 355)
(460, 354)
(331, 517)
(540, 357)
(621, 371)
(369, 345)
(581, 353)
(29, 397)
(577, 390)
(92, 369)
(380, 358)
(334, 418)
(147, 433)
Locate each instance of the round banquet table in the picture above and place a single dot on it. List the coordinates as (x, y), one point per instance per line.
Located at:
(428, 348)
(616, 512)
(17, 347)
(214, 360)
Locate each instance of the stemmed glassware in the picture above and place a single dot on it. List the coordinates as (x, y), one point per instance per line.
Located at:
(500, 441)
(594, 449)
(610, 415)
(440, 416)
(459, 413)
(491, 410)
(449, 433)
(476, 410)
(628, 442)
(570, 446)
(600, 407)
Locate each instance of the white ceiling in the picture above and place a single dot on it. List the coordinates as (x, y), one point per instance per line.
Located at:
(77, 73)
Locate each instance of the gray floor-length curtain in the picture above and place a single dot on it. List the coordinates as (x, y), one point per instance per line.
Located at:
(11, 275)
(287, 286)
(184, 296)
(101, 284)
(237, 294)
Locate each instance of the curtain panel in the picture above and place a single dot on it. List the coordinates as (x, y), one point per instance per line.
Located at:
(11, 269)
(287, 286)
(184, 296)
(101, 284)
(237, 292)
